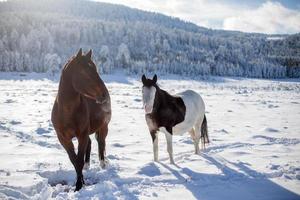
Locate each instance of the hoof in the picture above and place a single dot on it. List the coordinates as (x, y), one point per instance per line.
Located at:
(86, 166)
(78, 186)
(79, 183)
(104, 163)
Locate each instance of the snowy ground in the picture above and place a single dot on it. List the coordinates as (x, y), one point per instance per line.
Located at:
(254, 153)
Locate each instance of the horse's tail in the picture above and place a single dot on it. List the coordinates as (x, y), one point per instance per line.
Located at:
(204, 132)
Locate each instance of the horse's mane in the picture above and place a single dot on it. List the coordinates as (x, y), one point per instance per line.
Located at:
(68, 63)
(171, 106)
(164, 93)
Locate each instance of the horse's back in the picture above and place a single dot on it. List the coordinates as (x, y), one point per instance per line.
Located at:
(195, 109)
(192, 100)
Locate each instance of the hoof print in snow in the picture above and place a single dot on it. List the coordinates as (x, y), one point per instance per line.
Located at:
(14, 122)
(118, 145)
(273, 130)
(150, 170)
(9, 101)
(42, 131)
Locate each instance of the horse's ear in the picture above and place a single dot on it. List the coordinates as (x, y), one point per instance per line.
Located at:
(79, 53)
(89, 54)
(144, 78)
(154, 78)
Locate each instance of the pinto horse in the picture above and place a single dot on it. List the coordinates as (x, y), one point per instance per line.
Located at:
(173, 115)
(82, 107)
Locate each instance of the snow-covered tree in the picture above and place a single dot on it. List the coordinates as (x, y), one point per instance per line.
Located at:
(136, 41)
(105, 64)
(53, 62)
(123, 56)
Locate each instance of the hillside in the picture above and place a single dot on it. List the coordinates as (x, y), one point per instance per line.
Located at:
(41, 35)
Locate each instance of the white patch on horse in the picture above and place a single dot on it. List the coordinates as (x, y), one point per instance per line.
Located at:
(169, 146)
(86, 166)
(104, 163)
(195, 110)
(151, 124)
(148, 98)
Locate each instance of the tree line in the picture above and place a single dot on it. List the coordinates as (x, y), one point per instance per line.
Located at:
(38, 40)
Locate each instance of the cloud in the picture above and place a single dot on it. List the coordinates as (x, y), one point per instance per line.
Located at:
(269, 17)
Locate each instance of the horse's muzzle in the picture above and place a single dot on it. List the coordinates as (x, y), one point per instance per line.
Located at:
(148, 109)
(102, 99)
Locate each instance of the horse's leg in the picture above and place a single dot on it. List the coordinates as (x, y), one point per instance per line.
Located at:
(193, 136)
(82, 146)
(154, 136)
(197, 138)
(87, 155)
(197, 128)
(100, 136)
(69, 147)
(169, 139)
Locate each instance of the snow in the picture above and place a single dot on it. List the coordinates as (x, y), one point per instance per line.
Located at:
(275, 38)
(254, 151)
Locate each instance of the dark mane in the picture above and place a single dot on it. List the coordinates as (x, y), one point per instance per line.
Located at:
(68, 63)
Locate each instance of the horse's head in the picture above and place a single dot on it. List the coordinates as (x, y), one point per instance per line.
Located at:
(149, 91)
(85, 78)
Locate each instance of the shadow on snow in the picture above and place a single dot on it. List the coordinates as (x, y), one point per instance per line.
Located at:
(230, 184)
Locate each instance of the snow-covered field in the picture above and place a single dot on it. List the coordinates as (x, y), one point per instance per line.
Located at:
(254, 151)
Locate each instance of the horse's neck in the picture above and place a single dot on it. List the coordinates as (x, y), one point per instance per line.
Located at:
(67, 95)
(163, 97)
(171, 107)
(166, 100)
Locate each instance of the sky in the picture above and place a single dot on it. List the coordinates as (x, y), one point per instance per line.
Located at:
(261, 16)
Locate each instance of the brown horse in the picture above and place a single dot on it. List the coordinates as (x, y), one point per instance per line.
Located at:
(82, 107)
